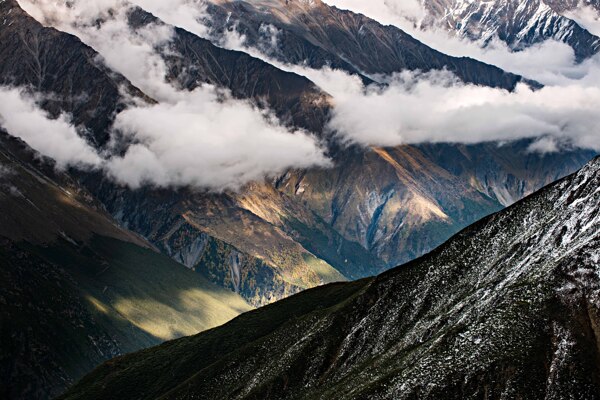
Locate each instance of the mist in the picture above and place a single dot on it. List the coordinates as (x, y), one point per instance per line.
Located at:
(415, 107)
(205, 138)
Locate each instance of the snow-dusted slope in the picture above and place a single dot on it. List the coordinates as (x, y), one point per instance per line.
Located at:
(506, 309)
(520, 23)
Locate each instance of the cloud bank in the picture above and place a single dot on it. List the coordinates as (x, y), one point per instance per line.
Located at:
(202, 138)
(205, 138)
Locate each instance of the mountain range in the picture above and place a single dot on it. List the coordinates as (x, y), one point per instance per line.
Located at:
(94, 269)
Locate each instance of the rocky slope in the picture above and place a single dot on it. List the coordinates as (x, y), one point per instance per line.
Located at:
(395, 201)
(508, 308)
(75, 289)
(519, 23)
(318, 35)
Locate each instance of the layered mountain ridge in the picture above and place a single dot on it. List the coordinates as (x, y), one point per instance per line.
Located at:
(92, 269)
(318, 35)
(506, 308)
(308, 228)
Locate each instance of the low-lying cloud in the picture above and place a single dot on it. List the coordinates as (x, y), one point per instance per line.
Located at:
(55, 138)
(202, 137)
(436, 107)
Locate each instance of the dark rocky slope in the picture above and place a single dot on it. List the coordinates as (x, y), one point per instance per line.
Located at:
(320, 35)
(75, 289)
(508, 308)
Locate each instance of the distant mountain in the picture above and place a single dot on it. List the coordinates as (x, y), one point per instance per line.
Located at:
(318, 35)
(508, 308)
(519, 23)
(75, 289)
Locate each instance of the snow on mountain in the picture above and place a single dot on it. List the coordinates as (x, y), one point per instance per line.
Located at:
(519, 23)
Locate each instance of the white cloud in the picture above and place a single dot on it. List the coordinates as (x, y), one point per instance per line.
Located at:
(202, 141)
(55, 138)
(201, 137)
(436, 107)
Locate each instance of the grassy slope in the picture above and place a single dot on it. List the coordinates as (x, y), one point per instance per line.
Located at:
(173, 363)
(76, 289)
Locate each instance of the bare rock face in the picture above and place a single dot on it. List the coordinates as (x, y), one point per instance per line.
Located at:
(519, 23)
(508, 308)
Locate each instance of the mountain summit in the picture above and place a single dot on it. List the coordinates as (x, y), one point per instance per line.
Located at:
(519, 23)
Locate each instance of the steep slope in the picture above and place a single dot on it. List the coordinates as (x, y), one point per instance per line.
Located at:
(508, 308)
(313, 33)
(228, 240)
(519, 23)
(194, 61)
(60, 66)
(75, 289)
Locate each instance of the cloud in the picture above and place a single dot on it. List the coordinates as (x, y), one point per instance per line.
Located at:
(55, 138)
(202, 141)
(436, 107)
(202, 137)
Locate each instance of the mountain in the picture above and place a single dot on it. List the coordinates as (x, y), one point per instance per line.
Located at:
(305, 228)
(519, 23)
(395, 202)
(314, 34)
(505, 309)
(76, 289)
